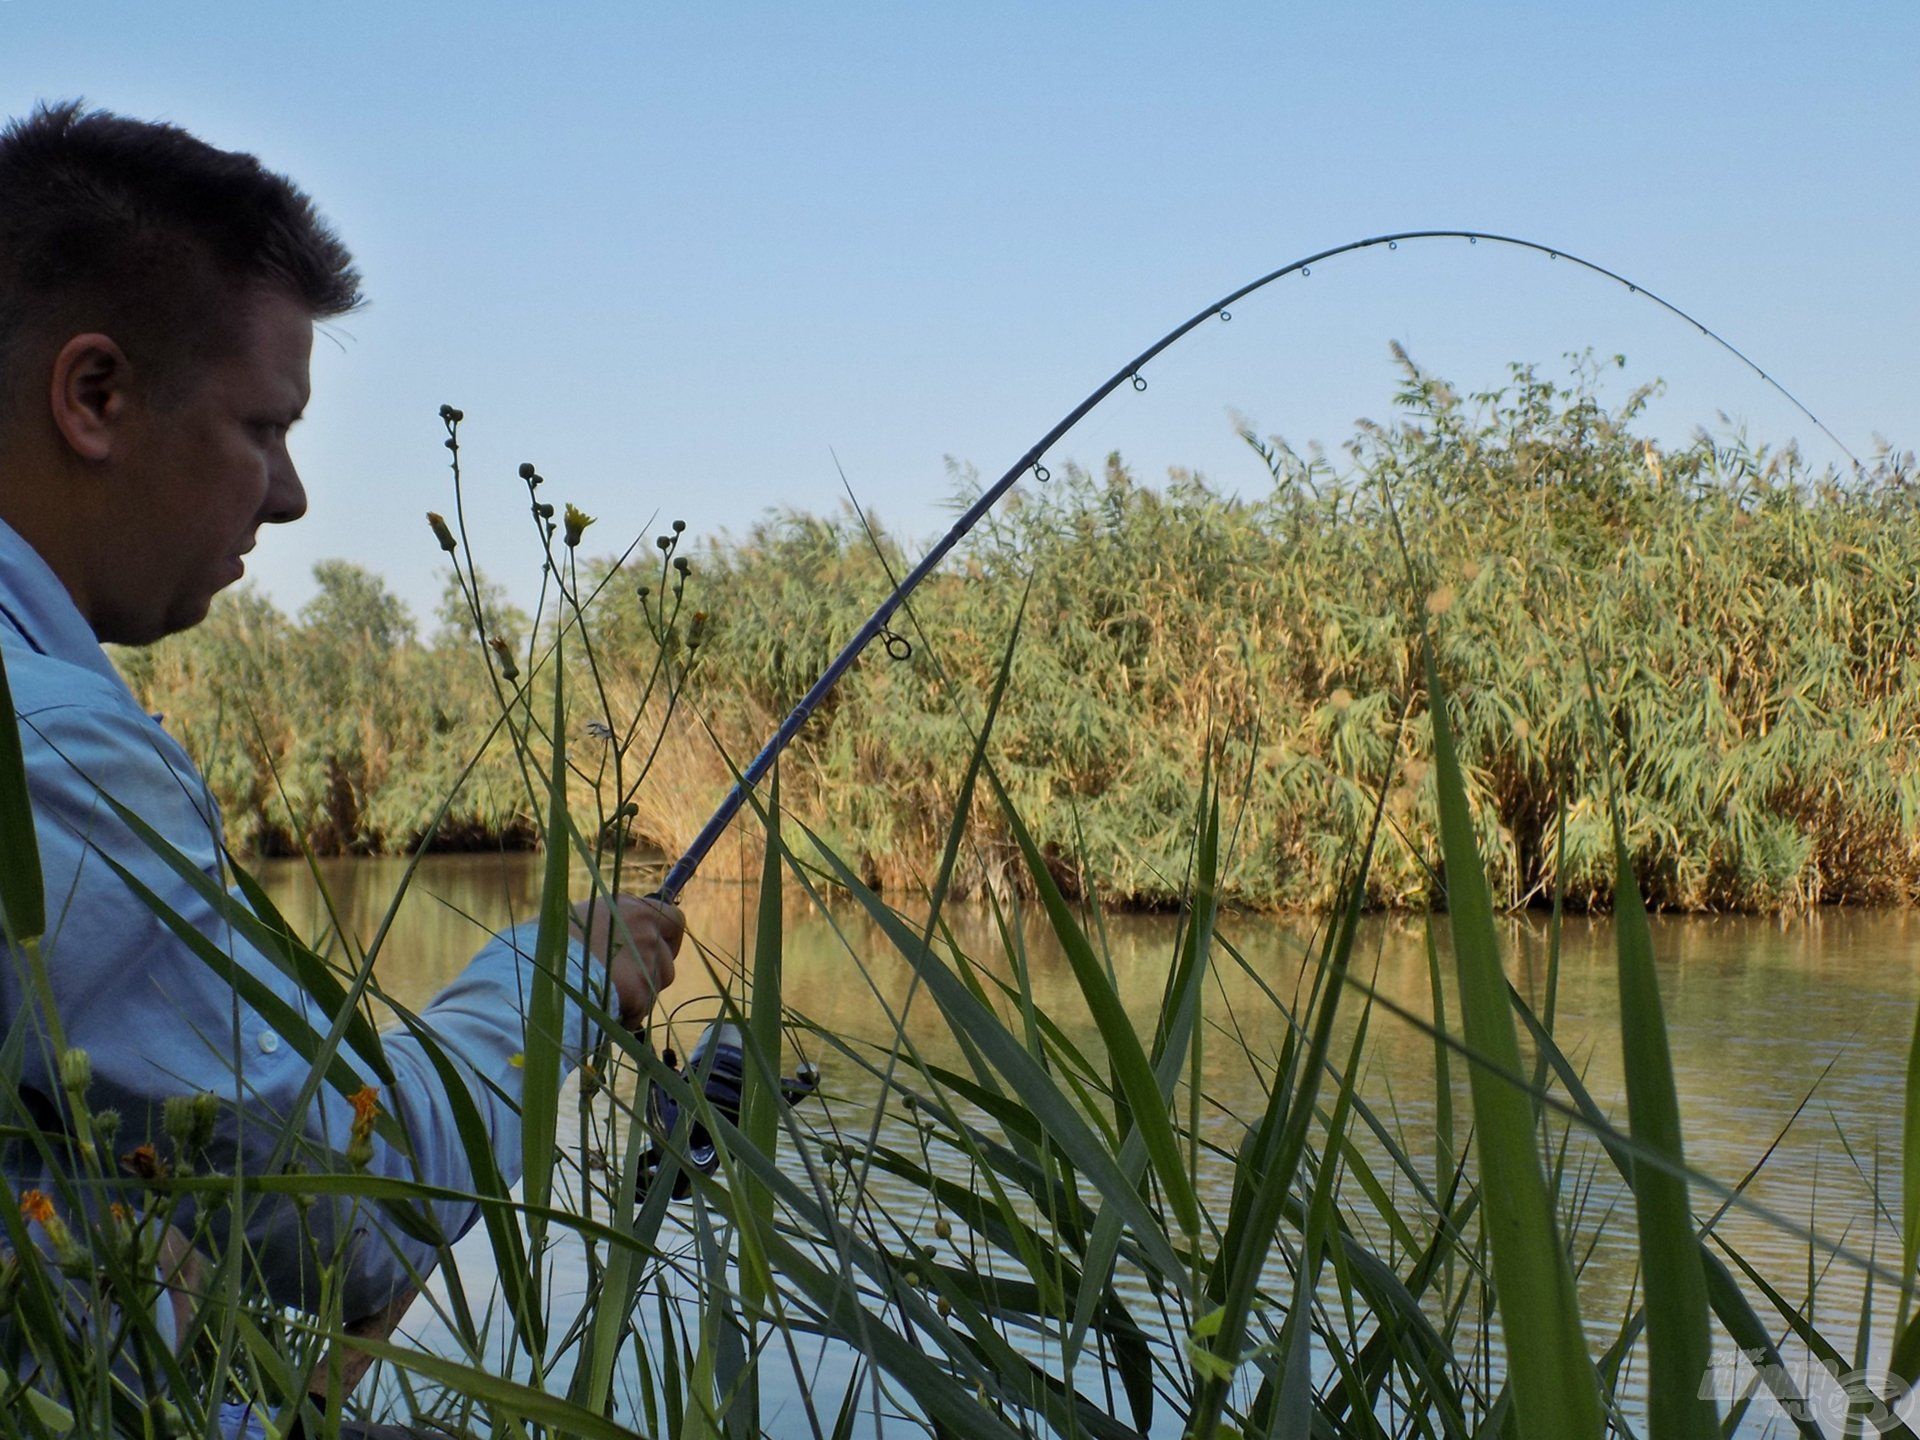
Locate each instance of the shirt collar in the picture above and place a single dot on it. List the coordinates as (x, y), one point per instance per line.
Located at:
(36, 604)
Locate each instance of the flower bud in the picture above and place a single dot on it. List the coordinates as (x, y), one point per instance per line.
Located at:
(69, 1256)
(176, 1120)
(441, 532)
(366, 1106)
(683, 565)
(188, 1121)
(526, 469)
(697, 629)
(543, 510)
(943, 1228)
(447, 412)
(665, 542)
(679, 526)
(76, 1071)
(206, 1116)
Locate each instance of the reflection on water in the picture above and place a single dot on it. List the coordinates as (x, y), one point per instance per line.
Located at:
(1760, 1013)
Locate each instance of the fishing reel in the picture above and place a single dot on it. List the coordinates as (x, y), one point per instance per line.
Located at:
(717, 1067)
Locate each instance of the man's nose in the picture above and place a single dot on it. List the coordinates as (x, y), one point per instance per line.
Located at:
(286, 496)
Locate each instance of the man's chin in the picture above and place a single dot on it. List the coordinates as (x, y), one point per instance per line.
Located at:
(152, 626)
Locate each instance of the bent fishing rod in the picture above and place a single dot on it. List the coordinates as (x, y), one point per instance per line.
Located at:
(876, 626)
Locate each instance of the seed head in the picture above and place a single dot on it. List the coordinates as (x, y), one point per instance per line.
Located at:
(1470, 571)
(1521, 729)
(145, 1162)
(697, 629)
(1440, 601)
(1341, 699)
(441, 532)
(508, 670)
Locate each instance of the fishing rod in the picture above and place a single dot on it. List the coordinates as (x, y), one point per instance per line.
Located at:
(876, 626)
(717, 1064)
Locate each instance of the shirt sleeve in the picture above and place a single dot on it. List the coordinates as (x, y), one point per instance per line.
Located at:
(158, 1021)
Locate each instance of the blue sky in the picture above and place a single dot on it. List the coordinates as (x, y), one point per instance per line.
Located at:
(682, 256)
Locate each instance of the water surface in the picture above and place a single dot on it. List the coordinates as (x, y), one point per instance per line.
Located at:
(1761, 1015)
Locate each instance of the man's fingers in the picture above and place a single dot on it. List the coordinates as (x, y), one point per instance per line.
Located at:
(673, 925)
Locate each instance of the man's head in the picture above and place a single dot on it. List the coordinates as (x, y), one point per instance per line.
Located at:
(157, 300)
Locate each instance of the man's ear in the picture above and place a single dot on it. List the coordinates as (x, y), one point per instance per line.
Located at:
(91, 382)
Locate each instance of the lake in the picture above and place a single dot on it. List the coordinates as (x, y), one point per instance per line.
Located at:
(1760, 1014)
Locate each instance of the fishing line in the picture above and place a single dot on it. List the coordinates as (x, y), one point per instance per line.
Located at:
(1134, 374)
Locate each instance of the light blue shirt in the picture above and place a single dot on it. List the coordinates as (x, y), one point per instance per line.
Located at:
(156, 1019)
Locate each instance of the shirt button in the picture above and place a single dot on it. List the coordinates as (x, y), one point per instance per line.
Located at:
(269, 1042)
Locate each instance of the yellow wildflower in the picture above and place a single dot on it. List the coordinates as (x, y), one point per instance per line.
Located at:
(577, 522)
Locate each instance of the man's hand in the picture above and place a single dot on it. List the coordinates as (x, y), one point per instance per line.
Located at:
(637, 937)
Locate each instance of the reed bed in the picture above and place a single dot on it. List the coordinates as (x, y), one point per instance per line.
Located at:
(1750, 622)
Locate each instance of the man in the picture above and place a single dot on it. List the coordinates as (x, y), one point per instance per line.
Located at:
(157, 304)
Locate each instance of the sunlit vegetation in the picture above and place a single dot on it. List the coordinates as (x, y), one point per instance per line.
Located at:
(1748, 623)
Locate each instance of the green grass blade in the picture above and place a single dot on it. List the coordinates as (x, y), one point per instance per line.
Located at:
(1679, 1345)
(760, 1101)
(507, 1397)
(1028, 1078)
(1550, 1371)
(546, 1005)
(1150, 1108)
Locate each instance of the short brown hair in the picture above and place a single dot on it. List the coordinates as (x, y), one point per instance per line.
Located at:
(146, 233)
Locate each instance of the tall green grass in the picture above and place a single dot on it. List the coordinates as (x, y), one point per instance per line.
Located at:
(1059, 1231)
